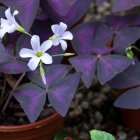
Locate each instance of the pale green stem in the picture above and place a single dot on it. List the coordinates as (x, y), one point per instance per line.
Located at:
(28, 34)
(134, 47)
(65, 54)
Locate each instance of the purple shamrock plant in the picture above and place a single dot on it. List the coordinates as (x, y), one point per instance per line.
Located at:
(36, 37)
(121, 5)
(32, 97)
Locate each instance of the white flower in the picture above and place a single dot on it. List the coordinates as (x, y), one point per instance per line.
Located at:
(38, 53)
(8, 25)
(60, 35)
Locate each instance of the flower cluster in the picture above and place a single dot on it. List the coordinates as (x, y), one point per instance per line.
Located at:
(107, 50)
(38, 53)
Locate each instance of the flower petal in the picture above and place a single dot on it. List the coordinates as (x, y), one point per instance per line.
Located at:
(2, 32)
(55, 42)
(46, 45)
(62, 28)
(4, 22)
(9, 15)
(55, 28)
(11, 28)
(33, 63)
(67, 36)
(15, 13)
(35, 42)
(46, 58)
(63, 44)
(26, 53)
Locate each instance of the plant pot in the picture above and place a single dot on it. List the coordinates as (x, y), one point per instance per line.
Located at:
(131, 118)
(41, 130)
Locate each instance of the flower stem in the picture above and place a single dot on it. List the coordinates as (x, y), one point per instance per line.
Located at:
(65, 54)
(14, 88)
(134, 47)
(28, 34)
(3, 91)
(57, 55)
(42, 73)
(28, 84)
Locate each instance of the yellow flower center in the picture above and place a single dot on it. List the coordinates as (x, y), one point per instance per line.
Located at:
(39, 54)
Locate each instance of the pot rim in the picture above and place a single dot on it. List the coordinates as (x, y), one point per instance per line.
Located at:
(34, 125)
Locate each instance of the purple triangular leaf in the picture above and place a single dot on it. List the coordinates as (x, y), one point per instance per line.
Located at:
(129, 100)
(2, 11)
(27, 10)
(53, 73)
(99, 2)
(102, 36)
(128, 78)
(61, 94)
(102, 50)
(62, 7)
(87, 38)
(14, 67)
(118, 22)
(122, 5)
(22, 42)
(3, 55)
(125, 38)
(110, 65)
(11, 64)
(32, 99)
(86, 65)
(75, 13)
(84, 37)
(43, 29)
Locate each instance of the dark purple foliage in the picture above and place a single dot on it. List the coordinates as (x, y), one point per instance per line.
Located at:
(100, 49)
(129, 78)
(122, 5)
(91, 38)
(125, 38)
(14, 67)
(32, 99)
(83, 37)
(129, 100)
(99, 2)
(86, 65)
(2, 11)
(11, 63)
(74, 11)
(62, 7)
(107, 66)
(61, 94)
(110, 65)
(119, 22)
(124, 31)
(53, 73)
(3, 55)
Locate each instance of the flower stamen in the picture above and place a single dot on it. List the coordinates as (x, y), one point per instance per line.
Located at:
(39, 54)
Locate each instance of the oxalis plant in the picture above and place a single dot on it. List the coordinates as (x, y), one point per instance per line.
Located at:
(38, 36)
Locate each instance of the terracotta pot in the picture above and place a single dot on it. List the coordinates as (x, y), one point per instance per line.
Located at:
(41, 130)
(131, 118)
